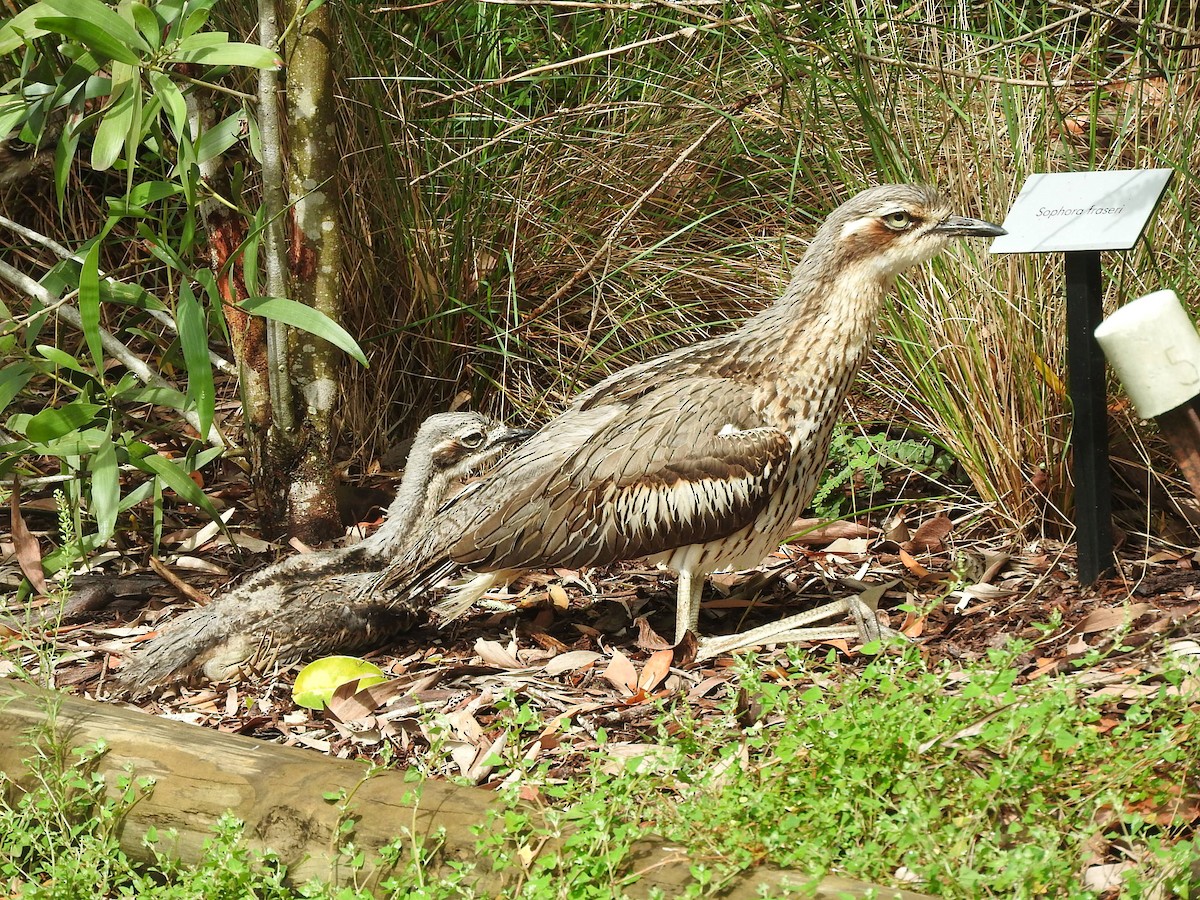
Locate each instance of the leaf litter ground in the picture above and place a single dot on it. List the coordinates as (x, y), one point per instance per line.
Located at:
(583, 652)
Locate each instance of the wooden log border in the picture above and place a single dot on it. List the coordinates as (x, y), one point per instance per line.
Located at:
(280, 795)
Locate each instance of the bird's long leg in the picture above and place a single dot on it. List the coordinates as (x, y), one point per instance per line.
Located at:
(866, 627)
(687, 602)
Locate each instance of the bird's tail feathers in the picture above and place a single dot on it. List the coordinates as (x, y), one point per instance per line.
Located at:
(464, 597)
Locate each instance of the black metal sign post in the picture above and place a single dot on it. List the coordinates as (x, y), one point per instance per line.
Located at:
(1089, 405)
(1080, 214)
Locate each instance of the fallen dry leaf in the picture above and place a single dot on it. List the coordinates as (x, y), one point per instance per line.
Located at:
(645, 758)
(656, 669)
(571, 661)
(1107, 618)
(896, 528)
(914, 625)
(929, 535)
(839, 643)
(493, 653)
(621, 674)
(685, 650)
(912, 565)
(558, 596)
(648, 638)
(29, 552)
(818, 533)
(706, 686)
(349, 704)
(848, 545)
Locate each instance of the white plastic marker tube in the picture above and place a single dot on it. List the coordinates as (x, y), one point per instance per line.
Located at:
(1153, 347)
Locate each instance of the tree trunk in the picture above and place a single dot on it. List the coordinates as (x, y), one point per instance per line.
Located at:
(315, 263)
(289, 377)
(280, 795)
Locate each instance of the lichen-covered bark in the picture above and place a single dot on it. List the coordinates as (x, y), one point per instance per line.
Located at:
(315, 262)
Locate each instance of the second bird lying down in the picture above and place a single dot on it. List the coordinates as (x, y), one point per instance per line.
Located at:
(298, 606)
(700, 459)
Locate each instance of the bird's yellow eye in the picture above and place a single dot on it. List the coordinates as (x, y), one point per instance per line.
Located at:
(898, 220)
(473, 439)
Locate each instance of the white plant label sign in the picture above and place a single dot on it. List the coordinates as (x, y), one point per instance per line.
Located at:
(1082, 211)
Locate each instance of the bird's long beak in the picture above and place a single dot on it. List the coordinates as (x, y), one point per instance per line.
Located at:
(513, 435)
(961, 225)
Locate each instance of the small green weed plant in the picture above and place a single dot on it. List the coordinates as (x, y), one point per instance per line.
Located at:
(859, 465)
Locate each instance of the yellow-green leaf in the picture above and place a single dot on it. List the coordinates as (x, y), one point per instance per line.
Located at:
(318, 680)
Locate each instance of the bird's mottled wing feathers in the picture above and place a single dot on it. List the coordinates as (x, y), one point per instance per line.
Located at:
(684, 462)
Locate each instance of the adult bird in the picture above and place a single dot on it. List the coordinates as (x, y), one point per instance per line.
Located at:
(700, 459)
(298, 606)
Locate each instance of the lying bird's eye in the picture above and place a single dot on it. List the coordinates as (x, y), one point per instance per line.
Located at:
(472, 439)
(898, 220)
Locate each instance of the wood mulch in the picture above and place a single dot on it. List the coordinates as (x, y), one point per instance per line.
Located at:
(577, 652)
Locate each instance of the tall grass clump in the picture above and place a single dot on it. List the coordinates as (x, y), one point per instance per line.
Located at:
(547, 192)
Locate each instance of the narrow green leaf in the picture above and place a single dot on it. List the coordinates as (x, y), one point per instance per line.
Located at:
(193, 338)
(255, 136)
(133, 136)
(89, 306)
(148, 24)
(64, 158)
(169, 10)
(177, 480)
(149, 192)
(50, 424)
(186, 167)
(172, 100)
(12, 378)
(161, 249)
(204, 457)
(250, 251)
(306, 319)
(156, 506)
(142, 195)
(233, 53)
(196, 19)
(204, 39)
(113, 130)
(61, 358)
(102, 17)
(21, 28)
(159, 396)
(106, 489)
(216, 140)
(137, 495)
(91, 36)
(13, 111)
(129, 295)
